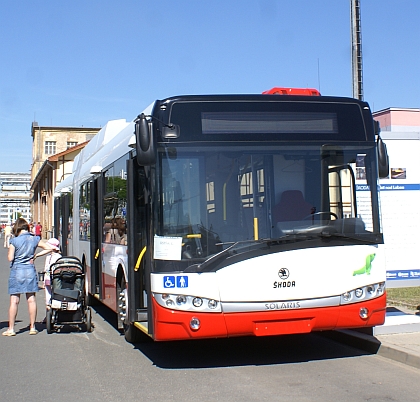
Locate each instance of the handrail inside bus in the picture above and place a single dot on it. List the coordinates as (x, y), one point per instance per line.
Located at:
(136, 268)
(255, 228)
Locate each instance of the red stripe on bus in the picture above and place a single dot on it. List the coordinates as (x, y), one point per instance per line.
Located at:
(175, 325)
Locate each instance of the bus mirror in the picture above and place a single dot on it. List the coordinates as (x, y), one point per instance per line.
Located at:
(377, 127)
(333, 153)
(383, 159)
(144, 142)
(170, 131)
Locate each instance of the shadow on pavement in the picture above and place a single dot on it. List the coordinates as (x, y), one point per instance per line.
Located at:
(245, 351)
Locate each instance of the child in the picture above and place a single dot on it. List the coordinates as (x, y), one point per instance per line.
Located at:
(51, 259)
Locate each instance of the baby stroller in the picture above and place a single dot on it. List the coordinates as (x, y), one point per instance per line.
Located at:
(68, 296)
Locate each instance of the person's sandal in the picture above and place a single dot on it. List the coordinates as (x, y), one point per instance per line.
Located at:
(33, 331)
(9, 332)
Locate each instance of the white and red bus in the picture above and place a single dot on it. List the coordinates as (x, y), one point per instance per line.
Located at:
(232, 215)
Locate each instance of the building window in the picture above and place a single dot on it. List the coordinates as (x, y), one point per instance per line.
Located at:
(50, 147)
(71, 144)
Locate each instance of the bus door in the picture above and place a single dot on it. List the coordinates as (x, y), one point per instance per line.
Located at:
(255, 184)
(96, 201)
(138, 260)
(339, 188)
(65, 222)
(61, 221)
(57, 220)
(342, 191)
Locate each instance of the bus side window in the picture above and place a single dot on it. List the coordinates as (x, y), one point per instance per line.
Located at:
(173, 207)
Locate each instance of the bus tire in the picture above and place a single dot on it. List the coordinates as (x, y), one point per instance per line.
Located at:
(131, 333)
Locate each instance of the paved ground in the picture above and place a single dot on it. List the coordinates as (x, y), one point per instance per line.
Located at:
(398, 339)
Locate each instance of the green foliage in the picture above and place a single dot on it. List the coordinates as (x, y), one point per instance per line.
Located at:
(120, 187)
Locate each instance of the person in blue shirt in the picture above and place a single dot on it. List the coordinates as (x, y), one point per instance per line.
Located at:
(23, 277)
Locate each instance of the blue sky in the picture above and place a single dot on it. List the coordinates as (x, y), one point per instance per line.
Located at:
(84, 62)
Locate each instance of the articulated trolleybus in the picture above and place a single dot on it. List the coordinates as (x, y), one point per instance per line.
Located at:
(232, 215)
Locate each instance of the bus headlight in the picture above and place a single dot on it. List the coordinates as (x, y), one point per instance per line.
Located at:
(381, 288)
(346, 296)
(364, 293)
(188, 303)
(212, 304)
(359, 293)
(197, 302)
(370, 289)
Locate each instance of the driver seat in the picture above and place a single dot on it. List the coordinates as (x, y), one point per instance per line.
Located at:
(292, 207)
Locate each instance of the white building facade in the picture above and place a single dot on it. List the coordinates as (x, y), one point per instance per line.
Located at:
(15, 197)
(400, 195)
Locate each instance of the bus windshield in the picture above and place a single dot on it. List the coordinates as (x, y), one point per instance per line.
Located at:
(213, 197)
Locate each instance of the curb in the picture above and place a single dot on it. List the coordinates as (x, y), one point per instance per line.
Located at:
(372, 345)
(399, 355)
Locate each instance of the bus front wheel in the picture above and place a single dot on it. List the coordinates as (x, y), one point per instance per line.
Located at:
(131, 333)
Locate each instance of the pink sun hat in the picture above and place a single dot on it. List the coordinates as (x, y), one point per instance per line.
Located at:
(54, 243)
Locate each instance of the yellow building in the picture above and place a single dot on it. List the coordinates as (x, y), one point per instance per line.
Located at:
(53, 153)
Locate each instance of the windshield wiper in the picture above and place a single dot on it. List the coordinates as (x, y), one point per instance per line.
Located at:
(222, 254)
(233, 248)
(361, 238)
(215, 257)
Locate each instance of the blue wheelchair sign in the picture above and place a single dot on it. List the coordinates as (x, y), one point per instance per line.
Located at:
(169, 281)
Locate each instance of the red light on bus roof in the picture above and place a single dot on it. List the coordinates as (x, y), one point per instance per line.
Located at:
(292, 91)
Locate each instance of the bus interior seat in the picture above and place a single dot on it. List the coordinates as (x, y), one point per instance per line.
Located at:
(292, 207)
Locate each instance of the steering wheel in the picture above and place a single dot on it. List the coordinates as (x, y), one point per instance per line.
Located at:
(320, 213)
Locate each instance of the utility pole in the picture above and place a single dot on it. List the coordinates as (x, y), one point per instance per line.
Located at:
(356, 48)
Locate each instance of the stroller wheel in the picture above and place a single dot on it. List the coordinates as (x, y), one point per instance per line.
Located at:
(88, 319)
(49, 322)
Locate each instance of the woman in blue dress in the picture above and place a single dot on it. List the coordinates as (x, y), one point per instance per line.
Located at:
(23, 276)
